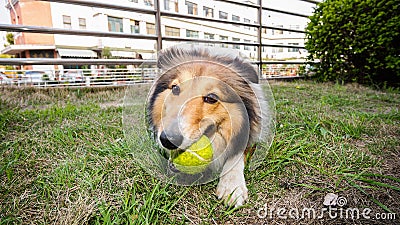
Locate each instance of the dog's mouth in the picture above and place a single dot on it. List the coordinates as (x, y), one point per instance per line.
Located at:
(177, 143)
(171, 154)
(174, 153)
(172, 167)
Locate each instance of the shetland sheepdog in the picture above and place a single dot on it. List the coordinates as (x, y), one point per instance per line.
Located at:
(204, 92)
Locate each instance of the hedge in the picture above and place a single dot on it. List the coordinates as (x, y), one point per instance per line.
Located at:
(356, 41)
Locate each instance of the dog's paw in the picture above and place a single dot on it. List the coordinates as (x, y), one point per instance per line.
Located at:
(232, 189)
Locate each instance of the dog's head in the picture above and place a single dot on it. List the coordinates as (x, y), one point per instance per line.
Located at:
(201, 94)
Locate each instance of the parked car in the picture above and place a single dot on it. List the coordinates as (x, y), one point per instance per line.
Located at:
(34, 77)
(73, 76)
(4, 79)
(309, 70)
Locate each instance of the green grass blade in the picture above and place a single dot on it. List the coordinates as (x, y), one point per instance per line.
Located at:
(384, 207)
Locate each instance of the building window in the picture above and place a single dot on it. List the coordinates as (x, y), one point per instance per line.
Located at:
(172, 31)
(115, 24)
(223, 15)
(192, 8)
(277, 50)
(246, 21)
(151, 28)
(278, 32)
(236, 19)
(148, 3)
(247, 47)
(67, 22)
(135, 28)
(223, 38)
(41, 53)
(236, 46)
(166, 4)
(264, 30)
(82, 23)
(209, 36)
(208, 12)
(192, 34)
(171, 5)
(294, 27)
(293, 49)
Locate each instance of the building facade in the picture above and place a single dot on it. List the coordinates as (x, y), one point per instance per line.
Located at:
(77, 17)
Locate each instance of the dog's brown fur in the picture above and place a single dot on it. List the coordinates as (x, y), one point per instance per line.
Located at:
(234, 122)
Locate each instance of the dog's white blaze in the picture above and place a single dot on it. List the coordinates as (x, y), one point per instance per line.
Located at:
(184, 127)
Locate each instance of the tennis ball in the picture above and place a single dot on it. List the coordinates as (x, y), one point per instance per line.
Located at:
(196, 158)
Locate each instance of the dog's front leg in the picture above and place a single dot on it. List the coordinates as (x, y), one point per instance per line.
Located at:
(232, 186)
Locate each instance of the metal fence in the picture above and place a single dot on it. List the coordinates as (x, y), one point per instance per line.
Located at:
(78, 77)
(270, 69)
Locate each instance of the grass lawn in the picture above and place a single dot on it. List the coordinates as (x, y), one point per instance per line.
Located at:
(64, 160)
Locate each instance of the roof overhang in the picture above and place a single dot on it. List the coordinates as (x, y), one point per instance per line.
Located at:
(16, 49)
(123, 54)
(82, 53)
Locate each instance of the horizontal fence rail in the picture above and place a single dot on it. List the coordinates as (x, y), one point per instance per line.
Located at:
(138, 73)
(45, 61)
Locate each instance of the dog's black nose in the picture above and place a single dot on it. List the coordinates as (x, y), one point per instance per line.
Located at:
(171, 141)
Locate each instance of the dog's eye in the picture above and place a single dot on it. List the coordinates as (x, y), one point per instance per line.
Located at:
(176, 90)
(211, 98)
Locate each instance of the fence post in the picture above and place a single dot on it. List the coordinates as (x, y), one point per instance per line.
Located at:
(259, 35)
(142, 73)
(158, 24)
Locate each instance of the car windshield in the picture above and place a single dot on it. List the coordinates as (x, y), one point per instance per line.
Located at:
(34, 73)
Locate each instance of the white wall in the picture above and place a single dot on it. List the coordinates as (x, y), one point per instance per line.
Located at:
(96, 19)
(75, 12)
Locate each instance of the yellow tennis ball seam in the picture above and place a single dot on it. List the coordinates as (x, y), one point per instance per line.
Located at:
(196, 158)
(194, 153)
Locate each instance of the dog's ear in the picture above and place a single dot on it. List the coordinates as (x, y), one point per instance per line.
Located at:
(242, 66)
(246, 69)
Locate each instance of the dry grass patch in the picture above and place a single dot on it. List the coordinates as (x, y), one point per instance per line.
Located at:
(64, 160)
